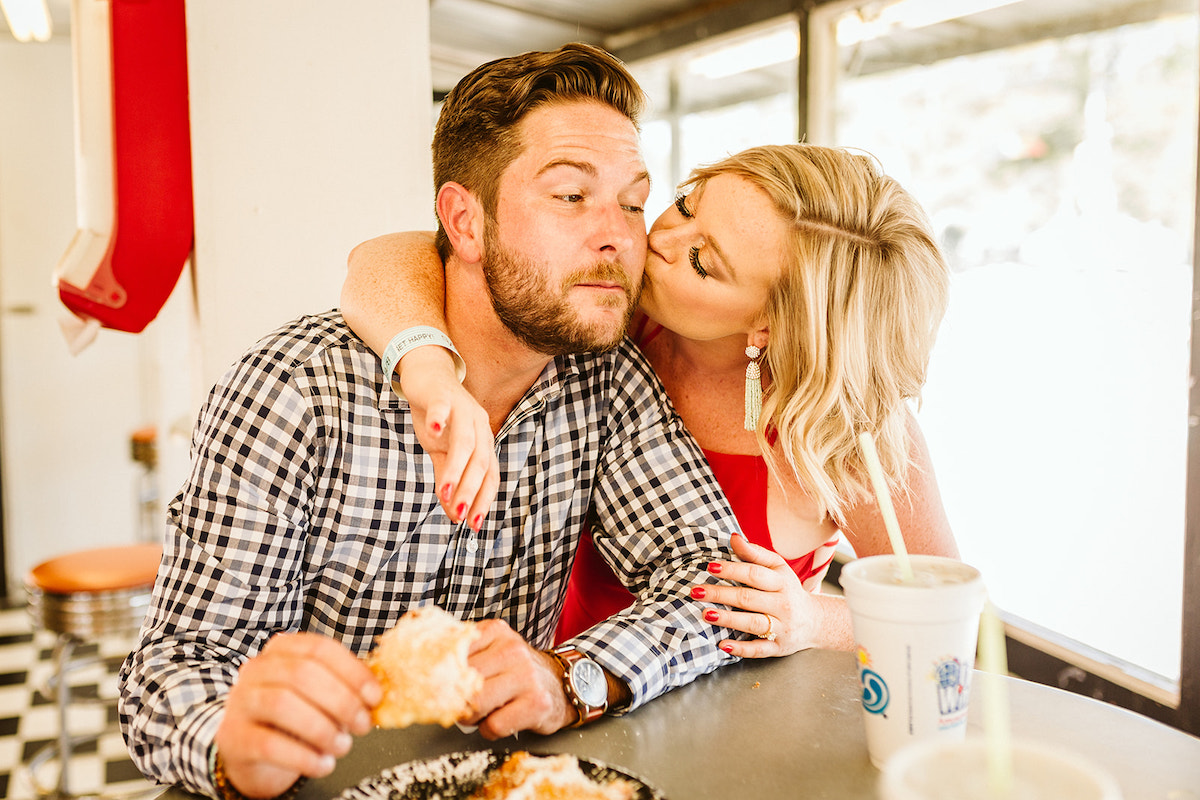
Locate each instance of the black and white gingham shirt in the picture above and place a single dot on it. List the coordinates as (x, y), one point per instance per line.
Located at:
(310, 506)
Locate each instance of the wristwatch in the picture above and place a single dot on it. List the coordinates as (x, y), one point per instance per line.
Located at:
(584, 683)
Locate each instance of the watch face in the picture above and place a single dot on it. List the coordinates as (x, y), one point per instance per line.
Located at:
(589, 682)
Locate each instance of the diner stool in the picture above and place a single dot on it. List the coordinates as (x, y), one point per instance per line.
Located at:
(80, 597)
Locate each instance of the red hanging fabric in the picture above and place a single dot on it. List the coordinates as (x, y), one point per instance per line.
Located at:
(122, 276)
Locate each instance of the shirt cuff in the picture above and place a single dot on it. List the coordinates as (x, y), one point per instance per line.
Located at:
(648, 664)
(199, 734)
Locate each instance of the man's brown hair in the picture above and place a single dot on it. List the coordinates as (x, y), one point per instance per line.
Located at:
(476, 137)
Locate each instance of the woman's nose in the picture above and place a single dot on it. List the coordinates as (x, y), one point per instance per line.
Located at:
(666, 239)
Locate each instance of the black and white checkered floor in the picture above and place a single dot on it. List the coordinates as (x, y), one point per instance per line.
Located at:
(28, 719)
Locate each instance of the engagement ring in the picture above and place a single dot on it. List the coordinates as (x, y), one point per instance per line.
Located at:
(770, 634)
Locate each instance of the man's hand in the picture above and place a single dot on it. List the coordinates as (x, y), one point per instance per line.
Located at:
(454, 429)
(522, 687)
(292, 712)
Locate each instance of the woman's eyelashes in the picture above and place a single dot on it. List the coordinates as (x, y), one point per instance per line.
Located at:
(681, 205)
(694, 253)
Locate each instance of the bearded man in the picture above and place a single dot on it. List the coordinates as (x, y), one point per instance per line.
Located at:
(308, 525)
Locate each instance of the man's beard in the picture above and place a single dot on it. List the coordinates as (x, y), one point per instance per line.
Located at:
(540, 315)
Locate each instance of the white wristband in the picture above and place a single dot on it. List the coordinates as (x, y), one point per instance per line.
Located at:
(420, 336)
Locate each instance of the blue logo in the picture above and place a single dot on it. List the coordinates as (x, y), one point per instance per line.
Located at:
(875, 695)
(954, 683)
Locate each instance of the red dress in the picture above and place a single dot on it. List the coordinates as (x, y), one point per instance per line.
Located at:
(594, 593)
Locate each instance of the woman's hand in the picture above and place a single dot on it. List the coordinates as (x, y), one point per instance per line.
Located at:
(768, 600)
(394, 282)
(454, 429)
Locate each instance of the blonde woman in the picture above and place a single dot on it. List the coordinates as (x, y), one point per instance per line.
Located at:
(790, 301)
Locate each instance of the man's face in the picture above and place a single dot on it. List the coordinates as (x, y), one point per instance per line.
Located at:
(564, 256)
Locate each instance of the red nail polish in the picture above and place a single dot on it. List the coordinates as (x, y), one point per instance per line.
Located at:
(728, 648)
(460, 510)
(477, 523)
(698, 592)
(715, 567)
(436, 427)
(710, 615)
(445, 493)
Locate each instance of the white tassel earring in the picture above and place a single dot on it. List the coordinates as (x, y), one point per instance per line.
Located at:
(753, 389)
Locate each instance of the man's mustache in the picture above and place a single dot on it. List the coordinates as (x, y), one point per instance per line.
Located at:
(602, 272)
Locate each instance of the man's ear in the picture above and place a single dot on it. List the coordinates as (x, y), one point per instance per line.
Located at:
(462, 219)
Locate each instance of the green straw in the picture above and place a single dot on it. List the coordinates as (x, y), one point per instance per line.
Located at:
(993, 659)
(884, 498)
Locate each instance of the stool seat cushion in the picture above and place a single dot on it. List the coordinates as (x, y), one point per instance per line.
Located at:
(103, 569)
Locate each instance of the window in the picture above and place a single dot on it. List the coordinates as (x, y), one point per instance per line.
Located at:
(1054, 147)
(716, 99)
(1059, 170)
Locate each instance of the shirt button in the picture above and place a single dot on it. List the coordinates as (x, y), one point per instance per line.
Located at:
(472, 545)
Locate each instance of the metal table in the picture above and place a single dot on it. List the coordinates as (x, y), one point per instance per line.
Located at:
(792, 727)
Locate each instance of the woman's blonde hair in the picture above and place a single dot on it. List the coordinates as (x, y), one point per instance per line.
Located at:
(852, 318)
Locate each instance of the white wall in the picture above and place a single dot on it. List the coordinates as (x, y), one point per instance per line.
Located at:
(311, 124)
(67, 477)
(310, 132)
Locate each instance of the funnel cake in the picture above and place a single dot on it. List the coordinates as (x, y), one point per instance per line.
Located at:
(524, 776)
(422, 665)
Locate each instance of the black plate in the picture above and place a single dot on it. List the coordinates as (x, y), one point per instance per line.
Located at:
(456, 775)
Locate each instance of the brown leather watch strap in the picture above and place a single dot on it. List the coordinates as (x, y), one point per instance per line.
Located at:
(568, 657)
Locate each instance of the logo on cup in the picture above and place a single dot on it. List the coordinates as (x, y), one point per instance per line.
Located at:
(875, 694)
(953, 682)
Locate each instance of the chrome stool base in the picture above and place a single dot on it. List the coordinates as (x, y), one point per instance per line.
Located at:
(38, 765)
(81, 597)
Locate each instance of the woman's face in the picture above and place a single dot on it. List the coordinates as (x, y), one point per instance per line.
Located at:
(712, 260)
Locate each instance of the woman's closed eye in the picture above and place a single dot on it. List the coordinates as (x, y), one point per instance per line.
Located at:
(681, 205)
(694, 253)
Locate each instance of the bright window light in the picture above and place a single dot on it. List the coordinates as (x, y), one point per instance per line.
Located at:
(909, 15)
(29, 20)
(747, 55)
